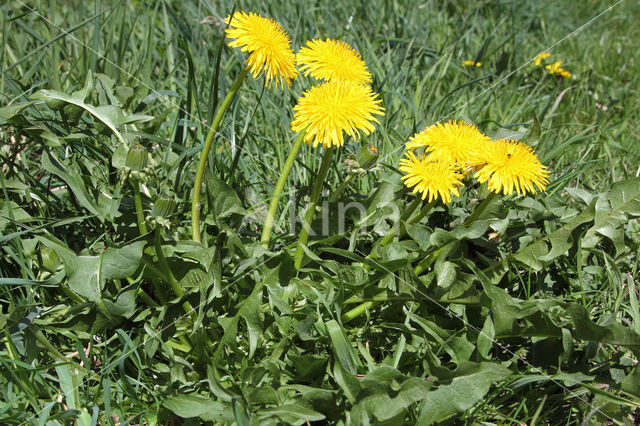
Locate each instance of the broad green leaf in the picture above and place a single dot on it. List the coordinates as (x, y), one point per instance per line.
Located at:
(68, 385)
(122, 262)
(72, 175)
(347, 381)
(445, 273)
(486, 337)
(190, 406)
(553, 245)
(612, 211)
(87, 274)
(249, 311)
(470, 384)
(11, 211)
(631, 383)
(225, 203)
(386, 393)
(7, 113)
(611, 334)
(292, 414)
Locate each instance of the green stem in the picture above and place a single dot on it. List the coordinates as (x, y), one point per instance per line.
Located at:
(164, 266)
(311, 210)
(142, 226)
(422, 213)
(409, 299)
(430, 258)
(359, 310)
(277, 192)
(35, 331)
(481, 207)
(147, 298)
(345, 183)
(197, 186)
(368, 303)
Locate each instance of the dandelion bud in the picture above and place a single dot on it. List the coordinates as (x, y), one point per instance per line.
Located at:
(367, 156)
(137, 158)
(162, 210)
(50, 259)
(163, 207)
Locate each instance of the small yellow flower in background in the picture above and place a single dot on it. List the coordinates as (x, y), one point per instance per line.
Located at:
(510, 165)
(333, 108)
(268, 45)
(557, 70)
(455, 142)
(433, 179)
(555, 67)
(471, 63)
(540, 57)
(332, 60)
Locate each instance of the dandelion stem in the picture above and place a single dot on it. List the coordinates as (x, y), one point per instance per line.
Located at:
(197, 186)
(481, 208)
(422, 213)
(311, 210)
(138, 203)
(277, 192)
(343, 185)
(367, 303)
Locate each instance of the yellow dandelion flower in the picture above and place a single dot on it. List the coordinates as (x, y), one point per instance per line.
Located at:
(564, 73)
(471, 63)
(454, 142)
(332, 60)
(553, 68)
(557, 70)
(329, 110)
(510, 164)
(433, 179)
(540, 57)
(268, 45)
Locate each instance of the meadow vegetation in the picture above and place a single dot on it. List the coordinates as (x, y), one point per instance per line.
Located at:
(483, 305)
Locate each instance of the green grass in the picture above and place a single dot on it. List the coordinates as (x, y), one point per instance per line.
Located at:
(479, 335)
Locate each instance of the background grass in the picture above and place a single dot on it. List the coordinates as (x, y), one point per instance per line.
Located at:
(166, 51)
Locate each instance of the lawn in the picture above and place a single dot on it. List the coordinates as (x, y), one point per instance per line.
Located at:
(173, 252)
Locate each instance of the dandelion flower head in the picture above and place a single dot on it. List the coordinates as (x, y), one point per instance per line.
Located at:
(557, 70)
(334, 108)
(510, 165)
(454, 142)
(268, 45)
(433, 179)
(471, 63)
(332, 60)
(540, 57)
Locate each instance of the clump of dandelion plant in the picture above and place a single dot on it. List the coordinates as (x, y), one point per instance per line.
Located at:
(342, 105)
(270, 53)
(449, 152)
